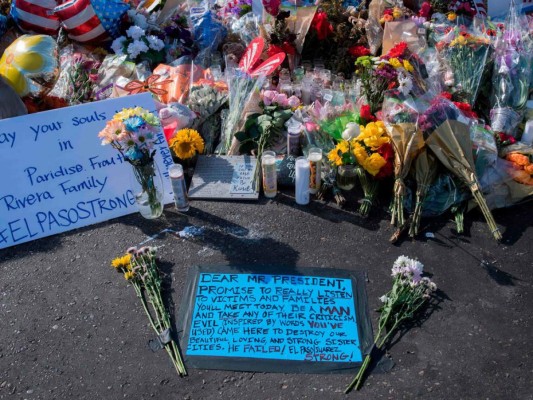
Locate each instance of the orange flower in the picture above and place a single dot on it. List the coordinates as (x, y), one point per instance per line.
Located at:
(518, 158)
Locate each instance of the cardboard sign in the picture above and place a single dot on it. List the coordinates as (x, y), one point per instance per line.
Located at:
(224, 177)
(56, 175)
(268, 317)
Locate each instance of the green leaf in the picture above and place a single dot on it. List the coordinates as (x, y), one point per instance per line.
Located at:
(254, 132)
(247, 147)
(241, 136)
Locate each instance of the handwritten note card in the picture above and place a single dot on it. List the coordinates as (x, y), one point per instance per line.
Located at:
(281, 317)
(224, 177)
(56, 175)
(242, 181)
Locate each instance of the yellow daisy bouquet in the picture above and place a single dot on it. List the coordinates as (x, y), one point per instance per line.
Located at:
(139, 268)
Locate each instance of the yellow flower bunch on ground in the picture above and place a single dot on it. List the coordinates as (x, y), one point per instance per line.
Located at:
(186, 143)
(122, 262)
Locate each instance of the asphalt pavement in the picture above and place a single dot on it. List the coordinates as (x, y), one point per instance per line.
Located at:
(71, 328)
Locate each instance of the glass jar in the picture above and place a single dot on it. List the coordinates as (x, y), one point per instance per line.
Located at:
(346, 177)
(147, 187)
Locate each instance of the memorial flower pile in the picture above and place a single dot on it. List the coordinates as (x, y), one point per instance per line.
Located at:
(333, 73)
(139, 267)
(409, 294)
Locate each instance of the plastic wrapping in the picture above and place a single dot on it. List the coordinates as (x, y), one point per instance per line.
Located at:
(207, 30)
(112, 70)
(246, 27)
(79, 73)
(465, 53)
(511, 75)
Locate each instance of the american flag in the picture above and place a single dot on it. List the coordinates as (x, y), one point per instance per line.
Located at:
(35, 16)
(91, 20)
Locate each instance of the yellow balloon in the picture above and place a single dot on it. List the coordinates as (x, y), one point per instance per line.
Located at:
(28, 60)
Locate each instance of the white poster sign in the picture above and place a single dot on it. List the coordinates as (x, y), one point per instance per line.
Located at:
(56, 175)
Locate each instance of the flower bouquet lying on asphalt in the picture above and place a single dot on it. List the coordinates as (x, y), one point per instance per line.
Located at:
(409, 294)
(140, 269)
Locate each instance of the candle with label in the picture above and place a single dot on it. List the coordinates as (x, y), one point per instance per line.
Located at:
(303, 169)
(315, 165)
(270, 177)
(177, 180)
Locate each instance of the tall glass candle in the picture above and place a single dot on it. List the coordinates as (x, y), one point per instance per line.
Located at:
(315, 168)
(177, 179)
(302, 180)
(270, 176)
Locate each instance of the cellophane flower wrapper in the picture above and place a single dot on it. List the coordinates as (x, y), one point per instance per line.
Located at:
(401, 118)
(181, 74)
(332, 119)
(245, 27)
(511, 76)
(465, 52)
(207, 29)
(404, 31)
(241, 88)
(449, 139)
(112, 69)
(299, 21)
(206, 101)
(78, 76)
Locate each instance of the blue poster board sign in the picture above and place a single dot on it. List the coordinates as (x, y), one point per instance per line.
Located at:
(308, 320)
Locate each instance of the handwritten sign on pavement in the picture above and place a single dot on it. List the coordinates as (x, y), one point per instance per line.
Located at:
(295, 318)
(56, 175)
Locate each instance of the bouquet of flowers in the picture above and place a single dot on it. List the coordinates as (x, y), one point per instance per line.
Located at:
(133, 133)
(448, 137)
(466, 55)
(139, 46)
(79, 74)
(376, 75)
(401, 117)
(409, 294)
(206, 101)
(511, 74)
(261, 130)
(139, 268)
(337, 35)
(374, 155)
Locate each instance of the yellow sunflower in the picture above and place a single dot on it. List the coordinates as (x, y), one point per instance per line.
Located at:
(121, 262)
(186, 143)
(29, 55)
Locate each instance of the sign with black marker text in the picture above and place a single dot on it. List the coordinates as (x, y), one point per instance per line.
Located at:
(261, 318)
(56, 175)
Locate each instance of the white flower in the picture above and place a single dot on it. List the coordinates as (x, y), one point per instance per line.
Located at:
(352, 130)
(118, 44)
(405, 83)
(135, 32)
(155, 43)
(138, 19)
(137, 47)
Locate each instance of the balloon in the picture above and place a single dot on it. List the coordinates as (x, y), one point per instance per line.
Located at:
(92, 20)
(35, 16)
(30, 63)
